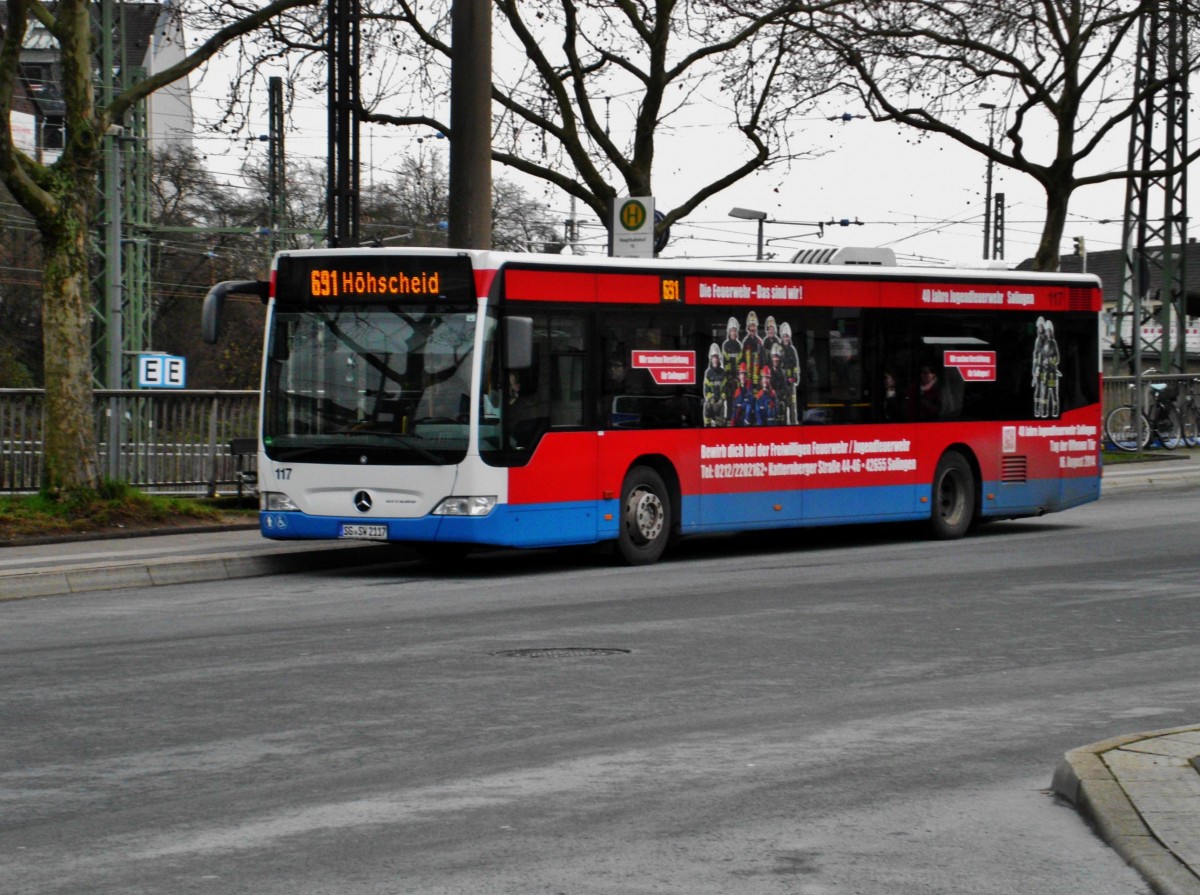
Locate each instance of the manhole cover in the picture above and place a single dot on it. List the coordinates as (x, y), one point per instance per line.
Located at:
(563, 652)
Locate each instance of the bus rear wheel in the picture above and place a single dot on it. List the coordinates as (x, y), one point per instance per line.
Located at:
(953, 497)
(645, 524)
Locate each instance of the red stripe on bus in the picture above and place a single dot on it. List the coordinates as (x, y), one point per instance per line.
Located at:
(581, 287)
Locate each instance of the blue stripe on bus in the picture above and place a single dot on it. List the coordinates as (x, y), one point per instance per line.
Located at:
(586, 522)
(524, 525)
(813, 506)
(1038, 496)
(1079, 491)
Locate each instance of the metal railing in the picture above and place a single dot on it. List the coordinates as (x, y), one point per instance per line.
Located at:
(165, 441)
(177, 441)
(1116, 388)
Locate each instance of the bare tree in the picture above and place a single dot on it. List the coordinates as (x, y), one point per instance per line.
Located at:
(206, 230)
(1065, 68)
(584, 90)
(412, 208)
(60, 197)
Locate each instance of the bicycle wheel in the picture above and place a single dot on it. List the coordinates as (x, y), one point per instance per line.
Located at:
(1121, 427)
(1167, 427)
(1191, 427)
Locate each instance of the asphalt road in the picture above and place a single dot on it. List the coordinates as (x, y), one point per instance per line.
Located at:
(849, 711)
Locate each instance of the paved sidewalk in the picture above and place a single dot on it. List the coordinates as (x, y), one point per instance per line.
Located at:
(1170, 469)
(1142, 794)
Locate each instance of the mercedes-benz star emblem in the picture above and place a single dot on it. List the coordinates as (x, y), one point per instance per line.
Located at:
(362, 501)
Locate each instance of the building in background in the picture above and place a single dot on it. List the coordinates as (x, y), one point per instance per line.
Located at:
(1108, 266)
(148, 37)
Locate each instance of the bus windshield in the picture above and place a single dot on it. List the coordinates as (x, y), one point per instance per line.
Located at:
(370, 383)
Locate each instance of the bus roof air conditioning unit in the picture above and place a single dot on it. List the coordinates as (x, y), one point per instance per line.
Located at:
(846, 255)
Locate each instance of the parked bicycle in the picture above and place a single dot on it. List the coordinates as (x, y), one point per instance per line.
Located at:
(1189, 415)
(1128, 428)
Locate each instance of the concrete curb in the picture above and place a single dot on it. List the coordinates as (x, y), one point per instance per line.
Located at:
(75, 537)
(1159, 480)
(1086, 778)
(59, 580)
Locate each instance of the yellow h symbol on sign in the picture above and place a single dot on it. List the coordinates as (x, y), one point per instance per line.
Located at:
(633, 215)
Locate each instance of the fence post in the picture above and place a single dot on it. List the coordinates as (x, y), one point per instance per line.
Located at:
(212, 447)
(113, 409)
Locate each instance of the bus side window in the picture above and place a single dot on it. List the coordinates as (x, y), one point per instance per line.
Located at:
(945, 339)
(566, 402)
(833, 376)
(952, 394)
(568, 363)
(550, 394)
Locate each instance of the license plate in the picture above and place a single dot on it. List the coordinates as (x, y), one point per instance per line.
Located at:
(365, 532)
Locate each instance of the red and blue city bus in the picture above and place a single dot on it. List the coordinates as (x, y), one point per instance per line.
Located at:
(452, 399)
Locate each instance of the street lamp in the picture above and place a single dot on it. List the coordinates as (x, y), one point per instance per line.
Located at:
(749, 214)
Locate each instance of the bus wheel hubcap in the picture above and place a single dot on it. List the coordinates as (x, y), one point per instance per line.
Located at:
(645, 515)
(951, 498)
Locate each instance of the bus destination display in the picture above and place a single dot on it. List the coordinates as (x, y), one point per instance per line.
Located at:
(357, 277)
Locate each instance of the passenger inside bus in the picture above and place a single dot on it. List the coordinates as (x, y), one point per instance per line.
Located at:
(893, 402)
(525, 416)
(925, 398)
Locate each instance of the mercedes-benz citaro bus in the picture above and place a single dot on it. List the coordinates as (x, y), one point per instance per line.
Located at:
(452, 399)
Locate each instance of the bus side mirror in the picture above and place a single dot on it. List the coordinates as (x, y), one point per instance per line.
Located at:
(518, 343)
(214, 304)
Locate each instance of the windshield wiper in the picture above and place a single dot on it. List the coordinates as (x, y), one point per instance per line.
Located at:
(406, 441)
(296, 453)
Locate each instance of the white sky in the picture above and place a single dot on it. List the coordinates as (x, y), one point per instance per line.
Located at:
(924, 198)
(921, 198)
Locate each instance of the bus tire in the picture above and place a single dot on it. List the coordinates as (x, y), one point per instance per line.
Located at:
(645, 524)
(953, 497)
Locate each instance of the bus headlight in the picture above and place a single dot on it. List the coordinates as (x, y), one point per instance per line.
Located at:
(269, 501)
(465, 506)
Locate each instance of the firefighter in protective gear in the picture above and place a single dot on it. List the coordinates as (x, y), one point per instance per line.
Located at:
(765, 407)
(1046, 373)
(744, 406)
(779, 383)
(770, 339)
(789, 361)
(752, 349)
(731, 356)
(1039, 393)
(716, 403)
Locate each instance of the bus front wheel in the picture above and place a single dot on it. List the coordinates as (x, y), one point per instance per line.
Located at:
(953, 497)
(645, 517)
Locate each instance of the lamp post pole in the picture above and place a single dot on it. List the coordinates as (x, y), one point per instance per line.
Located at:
(750, 214)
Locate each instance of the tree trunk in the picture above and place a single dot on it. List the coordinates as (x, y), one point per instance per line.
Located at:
(1050, 247)
(69, 449)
